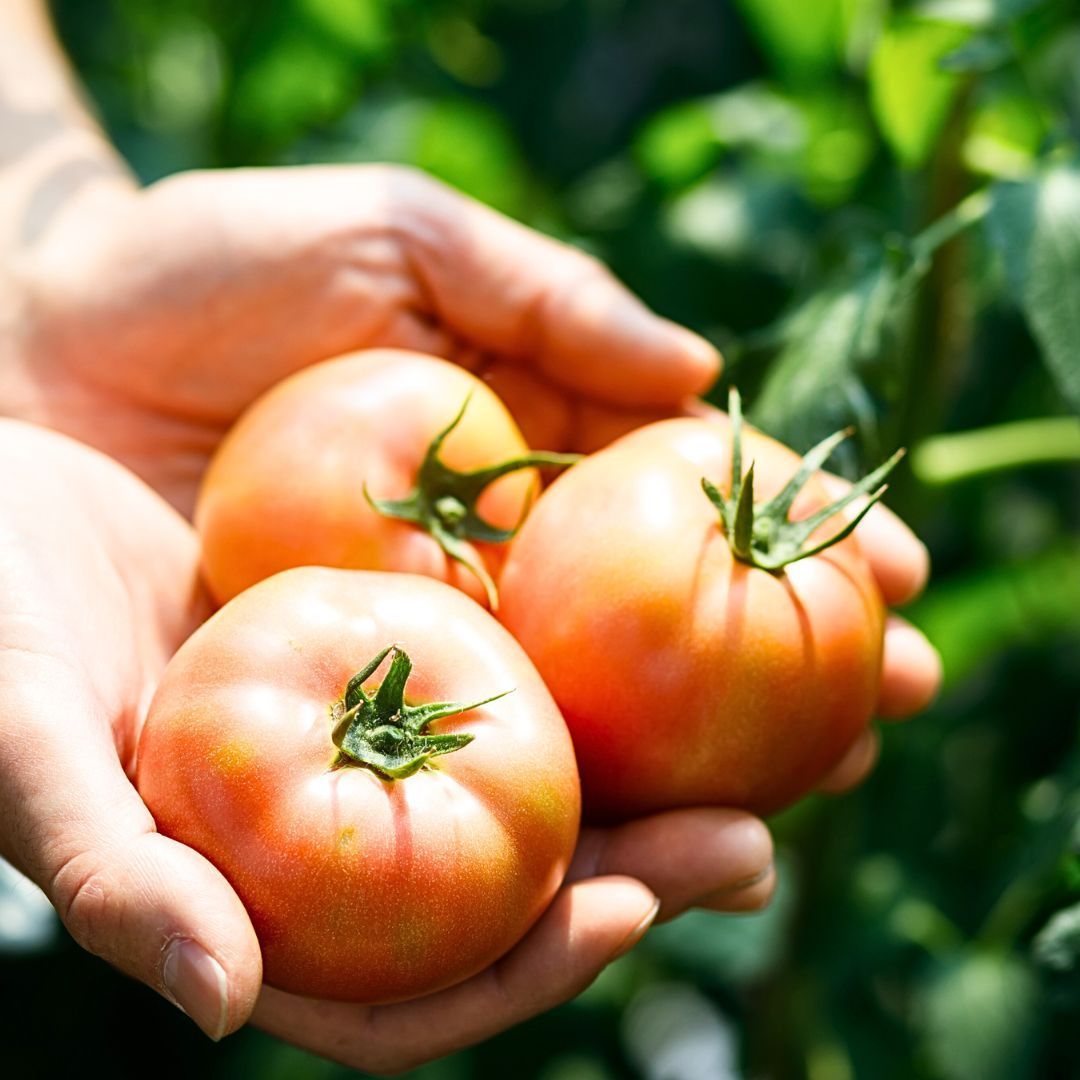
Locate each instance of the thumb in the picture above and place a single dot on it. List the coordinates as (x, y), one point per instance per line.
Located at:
(74, 824)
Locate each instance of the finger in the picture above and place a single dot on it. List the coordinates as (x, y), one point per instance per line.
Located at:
(750, 895)
(521, 294)
(74, 824)
(855, 766)
(897, 557)
(407, 330)
(687, 857)
(589, 924)
(911, 671)
(597, 425)
(539, 409)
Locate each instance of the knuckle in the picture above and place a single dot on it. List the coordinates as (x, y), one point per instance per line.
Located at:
(83, 899)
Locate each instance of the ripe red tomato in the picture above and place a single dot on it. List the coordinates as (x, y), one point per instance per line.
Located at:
(688, 677)
(379, 859)
(343, 465)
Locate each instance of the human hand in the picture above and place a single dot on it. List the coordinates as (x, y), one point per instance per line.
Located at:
(101, 586)
(147, 327)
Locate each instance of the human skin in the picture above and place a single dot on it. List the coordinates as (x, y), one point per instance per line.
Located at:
(142, 322)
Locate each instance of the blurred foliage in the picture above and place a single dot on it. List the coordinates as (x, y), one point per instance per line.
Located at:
(874, 208)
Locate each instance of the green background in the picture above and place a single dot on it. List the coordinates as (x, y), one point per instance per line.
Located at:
(873, 209)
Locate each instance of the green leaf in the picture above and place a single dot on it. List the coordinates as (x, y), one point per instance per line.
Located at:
(1035, 227)
(977, 12)
(1005, 133)
(834, 347)
(679, 144)
(983, 53)
(361, 26)
(296, 82)
(801, 39)
(909, 93)
(470, 146)
(1057, 945)
(1033, 601)
(980, 1017)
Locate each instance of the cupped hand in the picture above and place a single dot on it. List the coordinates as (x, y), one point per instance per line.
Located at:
(100, 582)
(146, 328)
(622, 879)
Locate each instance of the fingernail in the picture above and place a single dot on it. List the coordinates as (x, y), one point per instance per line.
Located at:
(731, 896)
(196, 982)
(638, 932)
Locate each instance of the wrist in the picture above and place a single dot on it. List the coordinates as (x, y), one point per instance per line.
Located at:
(53, 153)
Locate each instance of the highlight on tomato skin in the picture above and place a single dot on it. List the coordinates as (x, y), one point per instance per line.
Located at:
(376, 768)
(378, 460)
(688, 676)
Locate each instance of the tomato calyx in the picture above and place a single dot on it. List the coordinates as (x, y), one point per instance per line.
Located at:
(762, 534)
(443, 503)
(382, 732)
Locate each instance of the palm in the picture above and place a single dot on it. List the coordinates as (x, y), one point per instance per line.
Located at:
(107, 613)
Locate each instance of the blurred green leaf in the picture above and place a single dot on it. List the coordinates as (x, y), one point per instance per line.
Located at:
(468, 145)
(459, 48)
(679, 144)
(360, 25)
(746, 217)
(296, 82)
(1004, 134)
(980, 1017)
(983, 53)
(977, 12)
(973, 618)
(840, 145)
(910, 94)
(1035, 227)
(802, 40)
(576, 1067)
(1057, 945)
(818, 381)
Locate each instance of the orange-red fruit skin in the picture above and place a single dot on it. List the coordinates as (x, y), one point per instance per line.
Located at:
(686, 677)
(286, 486)
(359, 888)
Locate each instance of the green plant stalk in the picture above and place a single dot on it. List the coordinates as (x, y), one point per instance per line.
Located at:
(951, 224)
(941, 318)
(948, 459)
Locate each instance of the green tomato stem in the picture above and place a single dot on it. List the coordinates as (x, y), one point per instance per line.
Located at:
(443, 503)
(383, 732)
(762, 534)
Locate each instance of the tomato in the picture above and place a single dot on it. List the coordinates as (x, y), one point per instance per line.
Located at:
(343, 465)
(378, 857)
(686, 675)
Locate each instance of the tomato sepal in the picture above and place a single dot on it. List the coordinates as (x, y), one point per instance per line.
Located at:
(762, 534)
(443, 503)
(385, 734)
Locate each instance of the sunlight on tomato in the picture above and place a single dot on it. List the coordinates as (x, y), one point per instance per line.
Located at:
(262, 752)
